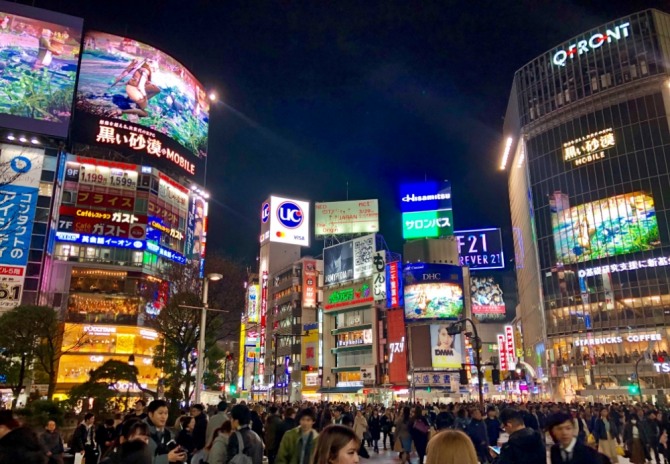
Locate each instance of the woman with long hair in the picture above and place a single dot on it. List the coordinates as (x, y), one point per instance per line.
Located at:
(402, 434)
(337, 444)
(451, 447)
(606, 434)
(419, 429)
(218, 447)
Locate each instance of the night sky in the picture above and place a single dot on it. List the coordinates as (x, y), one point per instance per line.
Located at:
(318, 94)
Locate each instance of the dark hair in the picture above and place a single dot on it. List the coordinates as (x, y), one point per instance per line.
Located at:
(331, 441)
(241, 414)
(8, 420)
(155, 404)
(88, 415)
(222, 406)
(288, 413)
(140, 402)
(557, 419)
(273, 409)
(132, 426)
(109, 422)
(405, 414)
(184, 421)
(511, 415)
(226, 427)
(199, 407)
(307, 412)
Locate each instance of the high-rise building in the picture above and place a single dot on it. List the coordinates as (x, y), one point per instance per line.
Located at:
(586, 148)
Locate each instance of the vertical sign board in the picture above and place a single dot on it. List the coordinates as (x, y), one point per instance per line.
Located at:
(20, 172)
(502, 353)
(309, 283)
(397, 347)
(264, 312)
(509, 346)
(394, 291)
(379, 277)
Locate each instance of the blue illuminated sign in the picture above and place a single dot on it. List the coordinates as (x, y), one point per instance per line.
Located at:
(480, 249)
(425, 196)
(166, 253)
(114, 242)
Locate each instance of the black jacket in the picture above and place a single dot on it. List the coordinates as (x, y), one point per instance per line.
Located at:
(200, 431)
(253, 445)
(21, 446)
(476, 430)
(444, 420)
(524, 446)
(492, 430)
(130, 452)
(581, 454)
(288, 424)
(52, 441)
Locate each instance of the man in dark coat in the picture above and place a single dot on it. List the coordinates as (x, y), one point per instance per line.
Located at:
(200, 429)
(273, 424)
(476, 430)
(567, 449)
(524, 444)
(492, 426)
(52, 442)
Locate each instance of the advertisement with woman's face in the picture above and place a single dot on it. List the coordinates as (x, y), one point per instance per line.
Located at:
(445, 349)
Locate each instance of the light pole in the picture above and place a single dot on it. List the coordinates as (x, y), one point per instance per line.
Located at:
(200, 367)
(637, 377)
(458, 327)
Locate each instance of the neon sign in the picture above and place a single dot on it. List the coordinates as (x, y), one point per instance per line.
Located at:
(629, 266)
(588, 148)
(115, 242)
(597, 40)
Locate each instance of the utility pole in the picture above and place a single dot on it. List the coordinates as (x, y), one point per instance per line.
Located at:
(458, 327)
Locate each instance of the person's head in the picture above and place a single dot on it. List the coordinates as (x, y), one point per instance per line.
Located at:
(337, 413)
(158, 413)
(139, 406)
(444, 339)
(273, 410)
(289, 413)
(491, 412)
(222, 406)
(511, 420)
(604, 413)
(51, 425)
(7, 422)
(241, 415)
(418, 411)
(560, 428)
(652, 415)
(109, 423)
(476, 414)
(89, 418)
(306, 419)
(134, 430)
(225, 429)
(405, 413)
(337, 445)
(451, 447)
(197, 409)
(187, 423)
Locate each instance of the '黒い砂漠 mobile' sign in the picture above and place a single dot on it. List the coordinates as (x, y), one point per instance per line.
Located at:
(596, 40)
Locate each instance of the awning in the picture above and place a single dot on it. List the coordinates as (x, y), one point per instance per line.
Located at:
(339, 390)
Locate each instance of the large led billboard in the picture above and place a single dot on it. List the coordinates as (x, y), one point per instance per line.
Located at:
(425, 196)
(39, 58)
(612, 226)
(288, 221)
(433, 291)
(428, 224)
(487, 299)
(480, 249)
(349, 260)
(136, 99)
(346, 217)
(445, 349)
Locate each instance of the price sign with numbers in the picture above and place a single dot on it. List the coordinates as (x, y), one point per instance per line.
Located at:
(11, 285)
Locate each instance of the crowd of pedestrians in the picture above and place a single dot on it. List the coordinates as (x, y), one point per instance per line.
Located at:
(343, 433)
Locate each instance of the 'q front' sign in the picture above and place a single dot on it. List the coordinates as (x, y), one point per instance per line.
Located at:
(597, 40)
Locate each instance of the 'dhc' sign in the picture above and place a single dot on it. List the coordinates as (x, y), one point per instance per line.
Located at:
(289, 221)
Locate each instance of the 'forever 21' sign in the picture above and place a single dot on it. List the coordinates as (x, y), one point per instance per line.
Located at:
(480, 249)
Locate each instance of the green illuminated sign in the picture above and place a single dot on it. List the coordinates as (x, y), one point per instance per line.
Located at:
(428, 224)
(348, 297)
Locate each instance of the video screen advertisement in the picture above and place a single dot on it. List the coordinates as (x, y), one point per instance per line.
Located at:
(487, 298)
(433, 292)
(433, 348)
(349, 260)
(39, 59)
(426, 210)
(140, 101)
(480, 249)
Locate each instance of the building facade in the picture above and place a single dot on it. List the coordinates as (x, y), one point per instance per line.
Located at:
(587, 144)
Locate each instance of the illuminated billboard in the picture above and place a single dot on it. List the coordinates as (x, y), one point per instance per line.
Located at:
(346, 217)
(445, 349)
(310, 284)
(136, 99)
(612, 226)
(433, 291)
(354, 295)
(39, 53)
(349, 260)
(486, 298)
(425, 196)
(253, 303)
(287, 221)
(480, 249)
(397, 346)
(427, 224)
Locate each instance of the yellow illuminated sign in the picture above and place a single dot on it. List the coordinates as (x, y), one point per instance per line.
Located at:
(588, 148)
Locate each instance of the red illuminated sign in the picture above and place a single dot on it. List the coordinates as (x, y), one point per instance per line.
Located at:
(397, 346)
(309, 284)
(502, 352)
(102, 223)
(509, 345)
(393, 284)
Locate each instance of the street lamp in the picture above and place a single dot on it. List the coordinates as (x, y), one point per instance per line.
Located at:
(200, 367)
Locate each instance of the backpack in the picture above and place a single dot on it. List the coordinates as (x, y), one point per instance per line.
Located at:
(240, 457)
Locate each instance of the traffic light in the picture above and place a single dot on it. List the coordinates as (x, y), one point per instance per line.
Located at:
(428, 389)
(495, 376)
(232, 389)
(633, 389)
(463, 375)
